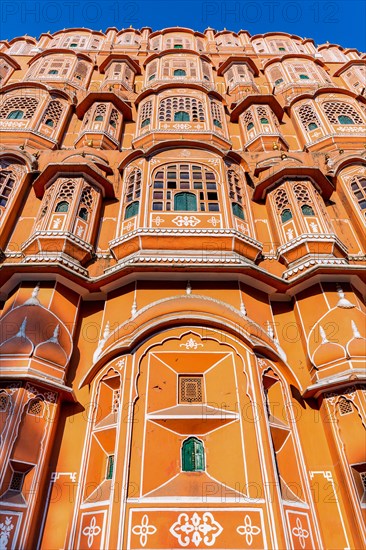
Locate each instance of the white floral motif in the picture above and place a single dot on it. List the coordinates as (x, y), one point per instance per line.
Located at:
(56, 223)
(158, 220)
(314, 227)
(243, 229)
(5, 529)
(214, 221)
(182, 126)
(300, 533)
(290, 234)
(121, 363)
(144, 530)
(248, 529)
(92, 530)
(129, 226)
(186, 221)
(188, 530)
(191, 344)
(80, 231)
(185, 153)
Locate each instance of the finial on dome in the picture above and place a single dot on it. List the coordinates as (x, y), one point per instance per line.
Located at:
(343, 302)
(188, 288)
(243, 310)
(323, 335)
(106, 331)
(270, 331)
(33, 300)
(54, 337)
(355, 331)
(134, 308)
(21, 331)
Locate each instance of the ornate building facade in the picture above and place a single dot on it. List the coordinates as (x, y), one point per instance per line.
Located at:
(182, 269)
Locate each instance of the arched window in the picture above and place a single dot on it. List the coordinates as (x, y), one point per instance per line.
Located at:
(307, 210)
(62, 206)
(264, 120)
(53, 113)
(171, 106)
(145, 122)
(216, 114)
(53, 71)
(132, 210)
(341, 113)
(180, 116)
(179, 72)
(235, 193)
(146, 114)
(250, 126)
(286, 215)
(49, 122)
(186, 202)
(133, 193)
(344, 119)
(193, 455)
(358, 187)
(35, 407)
(173, 179)
(16, 114)
(312, 126)
(308, 117)
(86, 202)
(99, 118)
(7, 182)
(303, 77)
(83, 214)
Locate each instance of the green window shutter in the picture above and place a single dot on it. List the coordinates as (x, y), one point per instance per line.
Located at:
(186, 202)
(312, 126)
(16, 114)
(193, 455)
(179, 72)
(237, 210)
(110, 467)
(62, 206)
(344, 119)
(304, 77)
(181, 116)
(307, 210)
(132, 210)
(286, 215)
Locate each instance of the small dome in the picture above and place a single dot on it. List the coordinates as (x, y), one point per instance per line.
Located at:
(356, 347)
(328, 352)
(18, 344)
(51, 350)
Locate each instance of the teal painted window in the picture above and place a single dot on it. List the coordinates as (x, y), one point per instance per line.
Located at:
(179, 72)
(15, 114)
(286, 215)
(344, 119)
(250, 126)
(53, 71)
(152, 77)
(83, 214)
(132, 210)
(217, 123)
(145, 122)
(264, 120)
(110, 467)
(307, 210)
(49, 122)
(237, 210)
(312, 126)
(99, 118)
(178, 46)
(304, 77)
(282, 49)
(193, 455)
(181, 116)
(113, 123)
(186, 202)
(73, 45)
(62, 206)
(278, 81)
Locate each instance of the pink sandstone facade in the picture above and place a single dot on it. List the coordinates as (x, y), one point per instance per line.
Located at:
(182, 341)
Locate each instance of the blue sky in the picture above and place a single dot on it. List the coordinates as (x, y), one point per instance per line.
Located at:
(339, 21)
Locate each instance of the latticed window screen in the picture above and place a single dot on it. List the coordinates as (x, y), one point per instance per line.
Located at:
(264, 115)
(235, 194)
(146, 114)
(16, 483)
(302, 194)
(114, 118)
(86, 202)
(345, 406)
(151, 70)
(358, 187)
(299, 70)
(179, 68)
(172, 42)
(190, 389)
(35, 407)
(171, 179)
(248, 120)
(116, 398)
(335, 109)
(216, 113)
(4, 70)
(206, 70)
(53, 113)
(170, 106)
(4, 402)
(81, 71)
(26, 104)
(133, 190)
(281, 45)
(276, 75)
(308, 117)
(7, 184)
(363, 480)
(66, 190)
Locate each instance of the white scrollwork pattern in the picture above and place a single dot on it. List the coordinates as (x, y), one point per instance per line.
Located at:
(5, 529)
(186, 221)
(195, 529)
(92, 530)
(300, 533)
(191, 344)
(248, 530)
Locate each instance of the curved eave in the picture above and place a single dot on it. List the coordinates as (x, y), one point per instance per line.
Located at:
(187, 144)
(348, 65)
(176, 29)
(257, 99)
(232, 33)
(173, 51)
(171, 84)
(28, 39)
(325, 90)
(64, 51)
(237, 59)
(327, 46)
(110, 97)
(38, 85)
(280, 59)
(120, 57)
(10, 60)
(272, 33)
(79, 29)
(349, 161)
(54, 170)
(124, 31)
(293, 172)
(21, 156)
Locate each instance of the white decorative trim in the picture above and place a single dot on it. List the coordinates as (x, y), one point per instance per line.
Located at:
(248, 529)
(190, 529)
